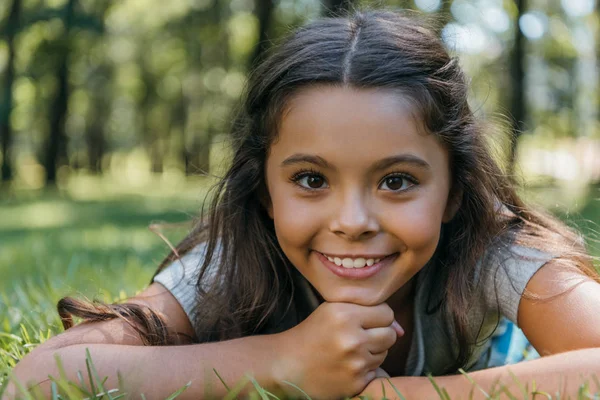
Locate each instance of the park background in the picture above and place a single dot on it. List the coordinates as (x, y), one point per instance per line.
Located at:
(114, 119)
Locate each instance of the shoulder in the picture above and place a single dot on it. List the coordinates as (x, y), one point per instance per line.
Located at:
(502, 275)
(559, 311)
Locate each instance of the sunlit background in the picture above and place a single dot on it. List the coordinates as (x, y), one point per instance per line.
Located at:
(114, 117)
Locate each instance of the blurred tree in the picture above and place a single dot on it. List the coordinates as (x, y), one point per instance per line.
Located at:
(202, 31)
(100, 92)
(264, 13)
(150, 133)
(597, 16)
(12, 26)
(56, 143)
(332, 8)
(517, 73)
(98, 114)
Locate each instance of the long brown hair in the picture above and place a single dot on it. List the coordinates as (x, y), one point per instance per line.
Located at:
(369, 49)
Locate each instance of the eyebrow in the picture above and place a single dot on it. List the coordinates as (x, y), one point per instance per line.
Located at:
(401, 159)
(300, 158)
(387, 162)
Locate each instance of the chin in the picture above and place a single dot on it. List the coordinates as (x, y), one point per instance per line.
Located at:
(355, 296)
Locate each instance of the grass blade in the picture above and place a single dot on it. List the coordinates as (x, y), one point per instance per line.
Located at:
(232, 394)
(20, 386)
(462, 371)
(297, 388)
(383, 391)
(443, 394)
(396, 389)
(221, 379)
(264, 394)
(179, 391)
(92, 370)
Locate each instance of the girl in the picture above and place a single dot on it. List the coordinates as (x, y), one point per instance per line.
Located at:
(363, 230)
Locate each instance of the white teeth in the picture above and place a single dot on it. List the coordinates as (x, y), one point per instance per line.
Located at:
(360, 262)
(348, 263)
(353, 263)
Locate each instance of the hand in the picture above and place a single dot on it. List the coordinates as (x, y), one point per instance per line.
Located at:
(337, 350)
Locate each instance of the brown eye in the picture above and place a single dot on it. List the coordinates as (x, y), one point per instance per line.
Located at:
(315, 182)
(311, 181)
(397, 183)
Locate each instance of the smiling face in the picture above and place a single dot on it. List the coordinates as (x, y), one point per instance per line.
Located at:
(352, 176)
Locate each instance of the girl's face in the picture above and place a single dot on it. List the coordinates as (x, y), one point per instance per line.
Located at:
(353, 176)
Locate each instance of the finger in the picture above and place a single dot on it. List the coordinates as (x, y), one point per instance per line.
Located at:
(375, 360)
(377, 316)
(380, 339)
(380, 373)
(399, 330)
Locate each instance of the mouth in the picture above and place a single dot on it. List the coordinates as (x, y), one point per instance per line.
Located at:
(357, 266)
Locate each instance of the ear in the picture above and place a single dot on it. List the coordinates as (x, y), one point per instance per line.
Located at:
(453, 204)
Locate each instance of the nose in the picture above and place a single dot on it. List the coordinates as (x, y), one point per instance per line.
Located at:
(353, 218)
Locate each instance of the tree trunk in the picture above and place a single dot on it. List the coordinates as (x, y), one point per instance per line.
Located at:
(56, 149)
(333, 8)
(202, 164)
(96, 142)
(598, 52)
(264, 13)
(7, 103)
(517, 73)
(101, 94)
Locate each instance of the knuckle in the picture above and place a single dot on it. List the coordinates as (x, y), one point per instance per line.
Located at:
(350, 344)
(343, 317)
(357, 367)
(390, 315)
(392, 336)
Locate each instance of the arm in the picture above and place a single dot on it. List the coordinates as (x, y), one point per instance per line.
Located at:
(560, 373)
(159, 371)
(564, 326)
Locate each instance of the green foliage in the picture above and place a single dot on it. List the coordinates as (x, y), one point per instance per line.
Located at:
(162, 77)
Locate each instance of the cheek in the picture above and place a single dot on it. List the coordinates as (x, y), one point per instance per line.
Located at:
(296, 221)
(417, 224)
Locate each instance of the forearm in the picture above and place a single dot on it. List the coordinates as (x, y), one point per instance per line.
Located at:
(159, 371)
(561, 373)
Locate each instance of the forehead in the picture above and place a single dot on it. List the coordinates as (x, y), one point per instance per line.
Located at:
(364, 123)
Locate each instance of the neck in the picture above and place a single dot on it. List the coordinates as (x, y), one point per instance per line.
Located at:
(403, 298)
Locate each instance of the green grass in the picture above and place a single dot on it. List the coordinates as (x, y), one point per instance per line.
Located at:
(92, 239)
